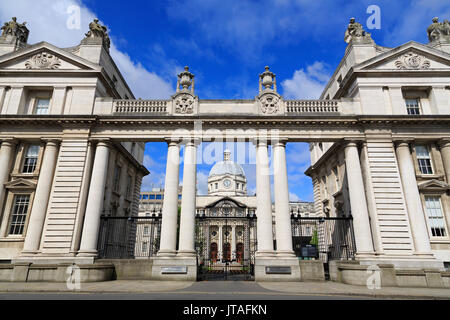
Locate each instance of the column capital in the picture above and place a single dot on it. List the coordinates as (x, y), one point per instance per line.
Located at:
(403, 143)
(173, 140)
(9, 142)
(260, 141)
(51, 141)
(351, 143)
(192, 141)
(280, 142)
(103, 142)
(444, 143)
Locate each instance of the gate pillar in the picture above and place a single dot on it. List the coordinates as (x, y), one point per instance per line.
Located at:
(282, 265)
(94, 207)
(170, 204)
(186, 246)
(167, 265)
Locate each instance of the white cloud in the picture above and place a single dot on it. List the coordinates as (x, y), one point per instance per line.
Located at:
(48, 21)
(307, 84)
(293, 197)
(143, 83)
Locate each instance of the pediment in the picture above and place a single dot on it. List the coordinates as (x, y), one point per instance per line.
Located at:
(218, 203)
(20, 184)
(44, 56)
(412, 56)
(434, 185)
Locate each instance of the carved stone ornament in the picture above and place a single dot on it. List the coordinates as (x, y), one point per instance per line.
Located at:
(270, 104)
(356, 33)
(184, 104)
(43, 60)
(412, 61)
(439, 31)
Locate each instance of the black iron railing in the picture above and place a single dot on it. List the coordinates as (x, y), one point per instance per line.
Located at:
(323, 238)
(128, 237)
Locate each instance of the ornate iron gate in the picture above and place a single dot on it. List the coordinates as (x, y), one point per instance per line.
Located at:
(323, 238)
(220, 256)
(128, 237)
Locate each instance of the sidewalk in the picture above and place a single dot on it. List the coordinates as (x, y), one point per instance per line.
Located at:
(327, 288)
(341, 289)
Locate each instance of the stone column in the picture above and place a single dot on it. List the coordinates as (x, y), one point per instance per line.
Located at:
(41, 198)
(186, 245)
(283, 231)
(412, 197)
(6, 153)
(445, 154)
(170, 203)
(264, 232)
(358, 203)
(94, 207)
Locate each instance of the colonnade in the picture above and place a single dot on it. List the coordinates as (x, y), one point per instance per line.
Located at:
(168, 241)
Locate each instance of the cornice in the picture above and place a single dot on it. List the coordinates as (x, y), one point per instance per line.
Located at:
(231, 121)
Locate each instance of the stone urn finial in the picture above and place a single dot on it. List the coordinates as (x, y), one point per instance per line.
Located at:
(185, 80)
(267, 79)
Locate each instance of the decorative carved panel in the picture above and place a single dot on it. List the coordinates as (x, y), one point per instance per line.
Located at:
(412, 61)
(43, 60)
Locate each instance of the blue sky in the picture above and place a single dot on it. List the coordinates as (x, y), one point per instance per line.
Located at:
(227, 44)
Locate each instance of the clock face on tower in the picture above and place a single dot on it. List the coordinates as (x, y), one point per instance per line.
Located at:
(227, 183)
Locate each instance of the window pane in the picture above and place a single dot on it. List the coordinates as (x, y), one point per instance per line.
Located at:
(19, 214)
(435, 217)
(30, 159)
(424, 159)
(412, 106)
(422, 152)
(42, 106)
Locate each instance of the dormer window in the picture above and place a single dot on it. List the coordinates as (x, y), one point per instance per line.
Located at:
(412, 106)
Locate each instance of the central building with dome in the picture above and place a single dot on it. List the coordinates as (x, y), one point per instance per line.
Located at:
(225, 217)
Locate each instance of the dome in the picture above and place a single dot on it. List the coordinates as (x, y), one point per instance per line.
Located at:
(226, 167)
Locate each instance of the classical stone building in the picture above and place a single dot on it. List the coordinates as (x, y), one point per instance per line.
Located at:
(72, 139)
(48, 177)
(405, 178)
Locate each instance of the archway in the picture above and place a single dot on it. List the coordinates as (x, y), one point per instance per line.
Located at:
(213, 252)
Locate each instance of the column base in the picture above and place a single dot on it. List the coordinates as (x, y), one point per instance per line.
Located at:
(277, 268)
(29, 253)
(166, 253)
(186, 253)
(286, 254)
(268, 254)
(87, 253)
(176, 268)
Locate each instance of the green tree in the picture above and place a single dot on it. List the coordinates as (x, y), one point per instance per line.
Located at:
(314, 238)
